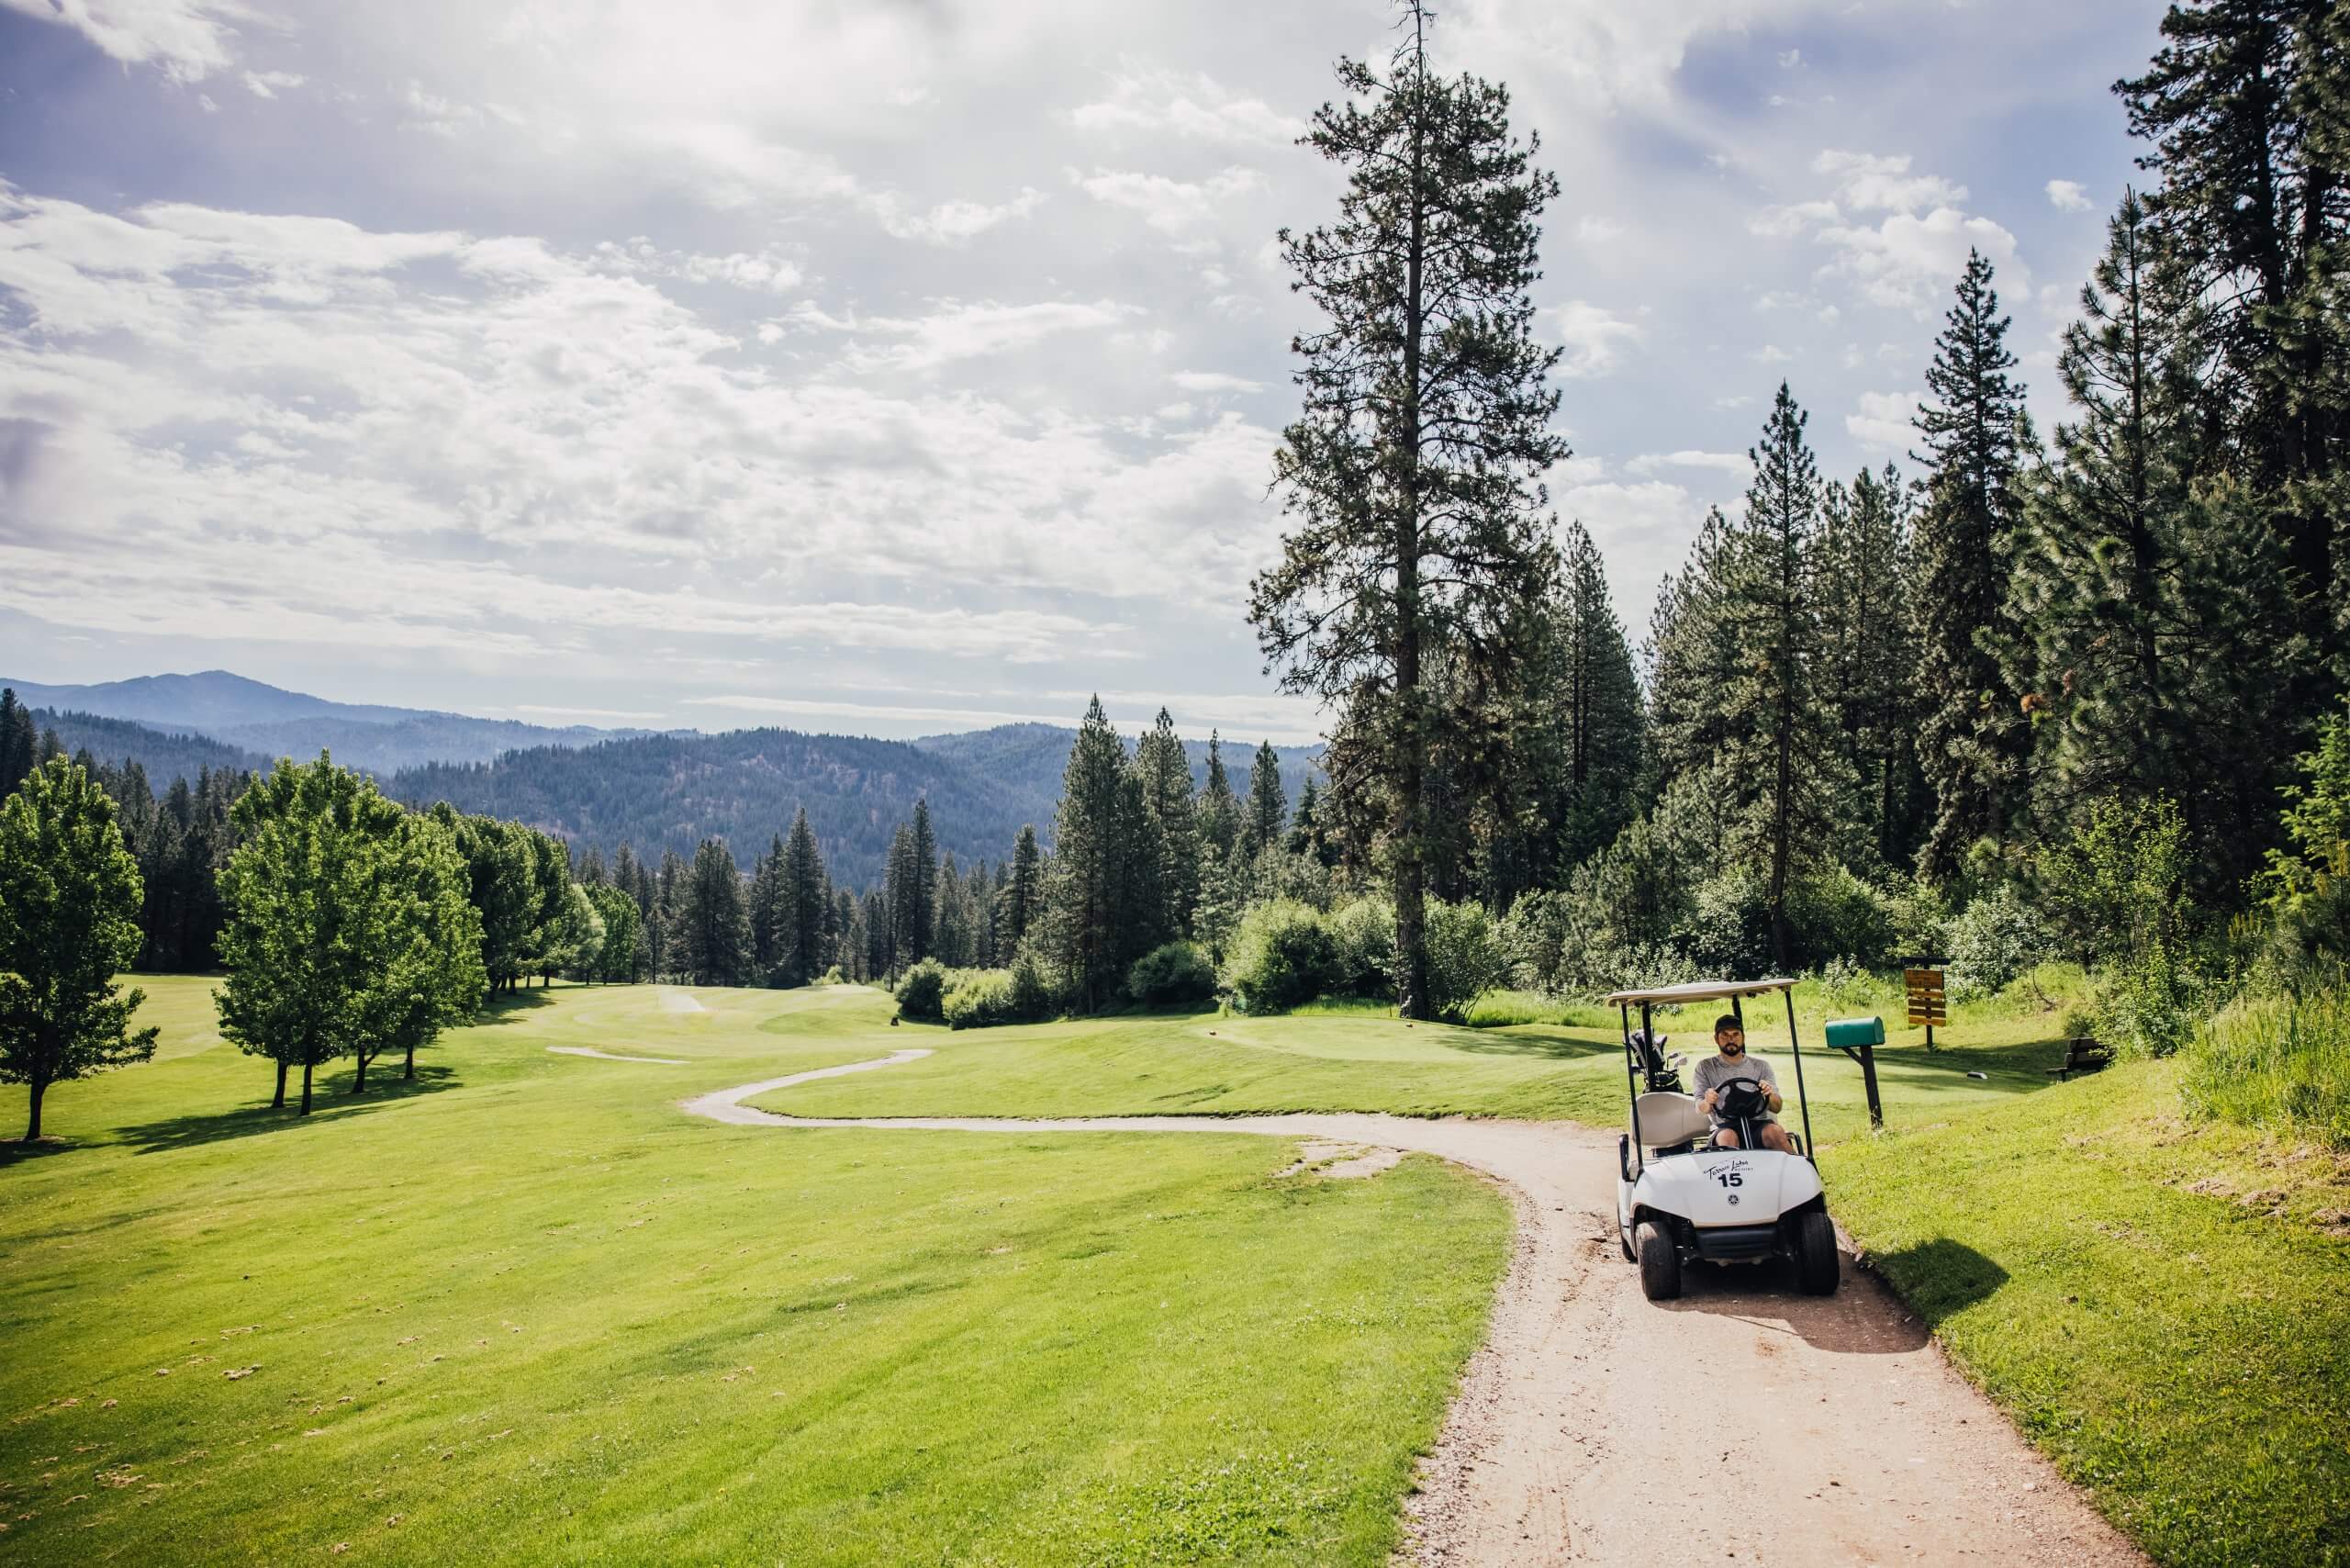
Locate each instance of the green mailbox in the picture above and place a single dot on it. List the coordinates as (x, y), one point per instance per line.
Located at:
(1858, 1038)
(1844, 1033)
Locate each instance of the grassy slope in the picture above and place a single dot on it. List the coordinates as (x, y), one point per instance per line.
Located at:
(2178, 1350)
(1365, 1060)
(528, 1311)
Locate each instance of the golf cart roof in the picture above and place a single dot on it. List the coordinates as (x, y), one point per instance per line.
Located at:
(1699, 991)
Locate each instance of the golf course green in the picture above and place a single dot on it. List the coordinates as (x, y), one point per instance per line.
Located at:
(522, 1310)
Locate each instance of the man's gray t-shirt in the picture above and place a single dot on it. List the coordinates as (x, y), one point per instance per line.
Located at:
(1714, 1071)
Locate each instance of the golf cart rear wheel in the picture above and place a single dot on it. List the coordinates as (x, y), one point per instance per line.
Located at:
(1816, 1262)
(1659, 1261)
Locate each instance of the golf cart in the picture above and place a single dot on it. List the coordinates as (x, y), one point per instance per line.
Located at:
(1678, 1197)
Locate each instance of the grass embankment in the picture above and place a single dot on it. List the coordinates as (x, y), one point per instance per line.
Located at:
(1361, 1058)
(2159, 1304)
(524, 1311)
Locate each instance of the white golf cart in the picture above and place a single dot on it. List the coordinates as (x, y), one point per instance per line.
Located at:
(1677, 1196)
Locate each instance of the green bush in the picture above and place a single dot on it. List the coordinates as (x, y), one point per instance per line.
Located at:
(1465, 957)
(922, 993)
(978, 998)
(2279, 1061)
(1280, 954)
(1364, 930)
(1992, 943)
(984, 999)
(1034, 996)
(1177, 974)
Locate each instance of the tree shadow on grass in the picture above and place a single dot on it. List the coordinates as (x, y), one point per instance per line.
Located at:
(512, 1006)
(1549, 1042)
(16, 1152)
(329, 1103)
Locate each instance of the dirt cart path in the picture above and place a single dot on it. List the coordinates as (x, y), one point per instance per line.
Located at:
(1588, 1425)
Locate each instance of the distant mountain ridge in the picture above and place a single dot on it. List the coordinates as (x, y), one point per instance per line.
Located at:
(600, 789)
(275, 722)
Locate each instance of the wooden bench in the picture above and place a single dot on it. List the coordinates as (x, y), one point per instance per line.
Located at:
(2083, 1055)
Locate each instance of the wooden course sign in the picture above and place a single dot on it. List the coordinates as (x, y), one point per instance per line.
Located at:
(1924, 987)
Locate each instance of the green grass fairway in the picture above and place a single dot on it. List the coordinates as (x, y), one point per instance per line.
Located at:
(524, 1311)
(1366, 1059)
(2091, 1260)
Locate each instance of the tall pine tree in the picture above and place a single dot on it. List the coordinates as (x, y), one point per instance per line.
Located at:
(1973, 738)
(2162, 635)
(1411, 477)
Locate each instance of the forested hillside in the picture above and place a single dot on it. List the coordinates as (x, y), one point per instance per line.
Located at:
(162, 756)
(669, 792)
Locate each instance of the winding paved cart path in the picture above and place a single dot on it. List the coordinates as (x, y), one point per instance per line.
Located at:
(1591, 1424)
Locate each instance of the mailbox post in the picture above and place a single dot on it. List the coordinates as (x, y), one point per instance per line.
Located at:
(1858, 1038)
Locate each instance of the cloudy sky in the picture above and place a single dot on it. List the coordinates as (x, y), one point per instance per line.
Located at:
(902, 365)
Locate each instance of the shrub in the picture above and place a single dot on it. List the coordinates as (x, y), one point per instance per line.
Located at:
(1034, 996)
(831, 977)
(1465, 959)
(922, 993)
(1175, 975)
(1992, 942)
(1365, 931)
(977, 999)
(1281, 954)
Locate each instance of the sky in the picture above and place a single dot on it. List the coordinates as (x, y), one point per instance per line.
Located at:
(899, 366)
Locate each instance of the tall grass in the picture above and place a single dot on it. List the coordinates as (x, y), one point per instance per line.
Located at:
(2278, 1060)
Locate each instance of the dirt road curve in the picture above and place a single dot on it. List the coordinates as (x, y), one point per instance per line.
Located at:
(1587, 1426)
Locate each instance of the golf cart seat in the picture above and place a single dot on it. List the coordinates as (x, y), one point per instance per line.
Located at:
(1670, 1123)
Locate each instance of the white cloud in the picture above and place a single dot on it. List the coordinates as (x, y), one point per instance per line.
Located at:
(1643, 530)
(2068, 196)
(1881, 422)
(764, 272)
(1594, 229)
(954, 223)
(188, 39)
(1602, 54)
(1214, 381)
(956, 330)
(1167, 102)
(1177, 208)
(1869, 183)
(1782, 223)
(1736, 464)
(1790, 59)
(1908, 263)
(1593, 336)
(269, 84)
(438, 442)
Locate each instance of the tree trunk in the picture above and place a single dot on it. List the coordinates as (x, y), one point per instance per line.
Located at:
(1411, 872)
(32, 1125)
(306, 1089)
(410, 1071)
(359, 1080)
(279, 1103)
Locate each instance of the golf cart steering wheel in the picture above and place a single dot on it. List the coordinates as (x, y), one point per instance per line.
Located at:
(1738, 1099)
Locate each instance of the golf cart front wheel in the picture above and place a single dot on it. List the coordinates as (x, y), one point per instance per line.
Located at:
(1816, 1262)
(1659, 1261)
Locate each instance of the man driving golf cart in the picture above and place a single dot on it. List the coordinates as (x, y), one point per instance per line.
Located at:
(1711, 1177)
(1729, 1063)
